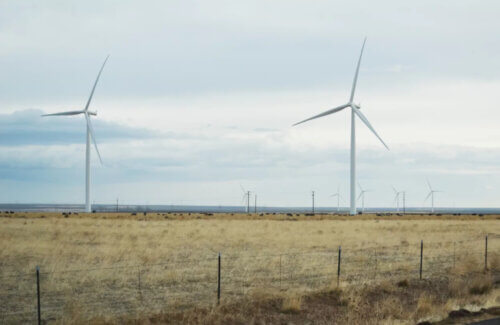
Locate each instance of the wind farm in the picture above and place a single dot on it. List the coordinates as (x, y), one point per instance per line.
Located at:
(216, 186)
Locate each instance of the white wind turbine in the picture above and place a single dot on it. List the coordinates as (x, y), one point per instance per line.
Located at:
(431, 195)
(90, 134)
(337, 195)
(246, 195)
(396, 198)
(355, 111)
(362, 197)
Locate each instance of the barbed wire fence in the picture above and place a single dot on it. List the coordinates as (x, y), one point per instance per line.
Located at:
(117, 291)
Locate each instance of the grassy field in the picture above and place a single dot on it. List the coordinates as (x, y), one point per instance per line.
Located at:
(117, 267)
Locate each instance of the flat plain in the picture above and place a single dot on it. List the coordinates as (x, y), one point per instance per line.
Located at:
(163, 267)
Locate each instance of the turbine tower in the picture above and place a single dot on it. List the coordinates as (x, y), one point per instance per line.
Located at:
(246, 196)
(396, 198)
(355, 111)
(431, 195)
(312, 193)
(90, 135)
(255, 205)
(338, 198)
(362, 197)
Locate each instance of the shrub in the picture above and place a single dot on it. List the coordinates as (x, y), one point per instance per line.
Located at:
(291, 304)
(424, 306)
(480, 285)
(402, 283)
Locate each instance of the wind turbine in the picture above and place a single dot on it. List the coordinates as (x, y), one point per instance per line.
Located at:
(362, 197)
(404, 201)
(431, 195)
(338, 198)
(90, 134)
(312, 193)
(255, 205)
(355, 111)
(396, 198)
(246, 195)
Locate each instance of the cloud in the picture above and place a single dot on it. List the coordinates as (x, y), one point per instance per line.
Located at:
(268, 162)
(27, 127)
(186, 47)
(199, 97)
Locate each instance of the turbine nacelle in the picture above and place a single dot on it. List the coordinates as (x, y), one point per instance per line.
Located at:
(354, 105)
(93, 113)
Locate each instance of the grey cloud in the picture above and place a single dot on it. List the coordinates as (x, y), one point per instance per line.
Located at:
(27, 127)
(191, 47)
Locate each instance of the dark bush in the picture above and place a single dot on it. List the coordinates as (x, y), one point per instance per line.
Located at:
(403, 283)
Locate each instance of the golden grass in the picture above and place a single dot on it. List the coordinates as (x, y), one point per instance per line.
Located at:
(292, 303)
(124, 264)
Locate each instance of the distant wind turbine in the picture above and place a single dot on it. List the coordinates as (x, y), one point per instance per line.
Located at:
(355, 111)
(431, 195)
(312, 193)
(90, 134)
(338, 198)
(255, 205)
(362, 197)
(246, 196)
(396, 198)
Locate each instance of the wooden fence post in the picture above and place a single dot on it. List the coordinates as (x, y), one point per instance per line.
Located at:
(218, 282)
(38, 295)
(338, 266)
(486, 253)
(421, 256)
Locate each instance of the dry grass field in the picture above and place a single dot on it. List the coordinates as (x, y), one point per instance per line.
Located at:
(115, 268)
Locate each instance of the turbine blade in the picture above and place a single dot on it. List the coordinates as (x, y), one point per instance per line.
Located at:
(357, 72)
(93, 136)
(428, 196)
(395, 191)
(328, 112)
(367, 123)
(429, 184)
(360, 195)
(95, 84)
(64, 113)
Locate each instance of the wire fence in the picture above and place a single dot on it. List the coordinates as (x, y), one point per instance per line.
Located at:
(123, 290)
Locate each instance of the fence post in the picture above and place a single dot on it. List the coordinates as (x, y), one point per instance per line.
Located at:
(486, 253)
(38, 294)
(421, 256)
(454, 250)
(139, 281)
(218, 282)
(338, 266)
(280, 271)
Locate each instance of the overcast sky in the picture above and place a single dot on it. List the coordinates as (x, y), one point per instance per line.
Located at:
(199, 97)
